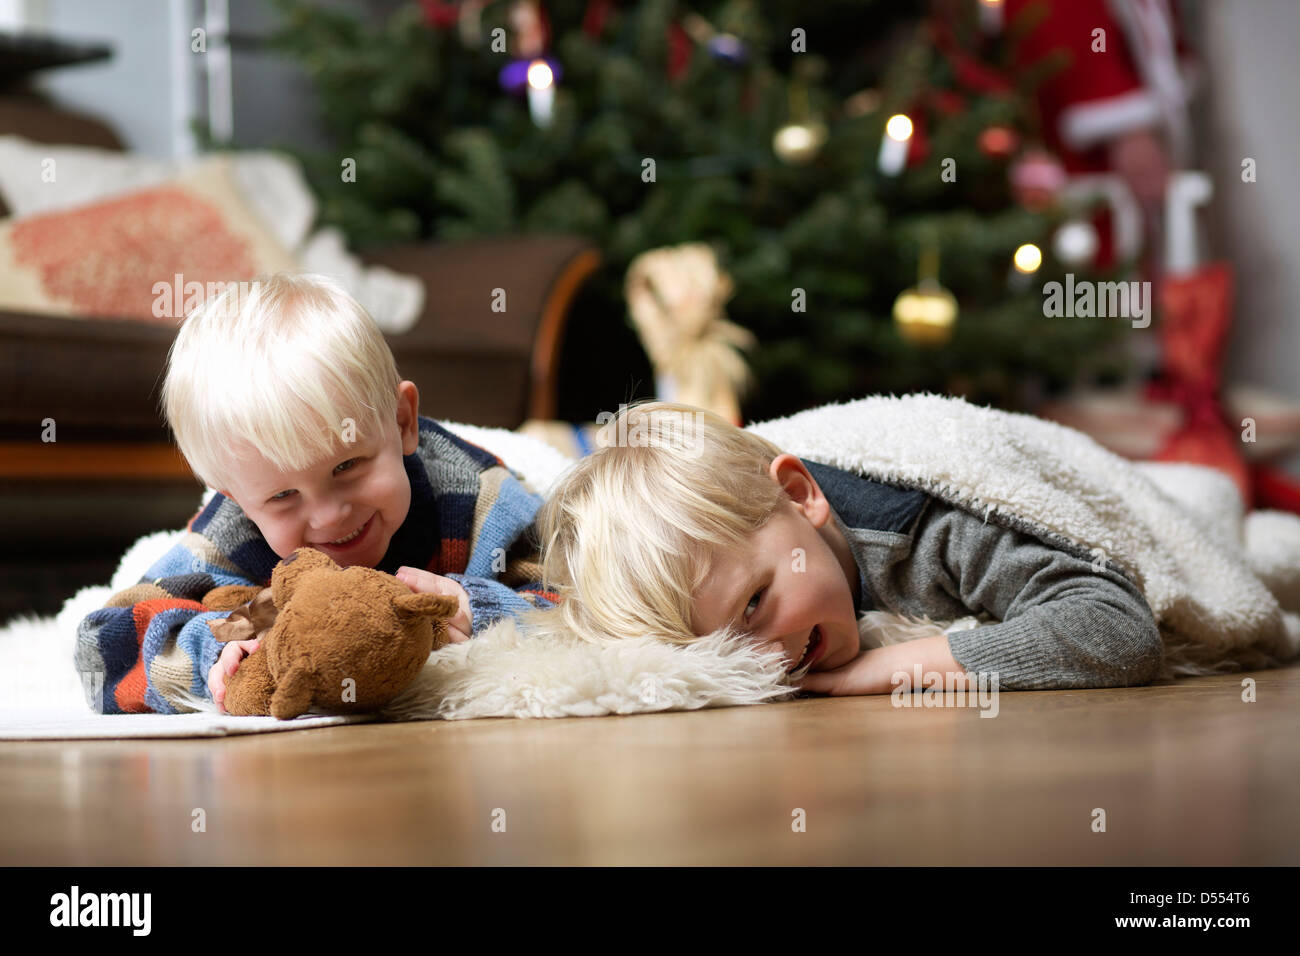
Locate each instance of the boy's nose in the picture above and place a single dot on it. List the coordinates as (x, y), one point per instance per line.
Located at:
(331, 517)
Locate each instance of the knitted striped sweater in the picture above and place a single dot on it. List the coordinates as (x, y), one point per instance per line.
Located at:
(150, 648)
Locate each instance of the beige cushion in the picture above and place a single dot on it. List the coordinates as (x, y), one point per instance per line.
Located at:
(41, 177)
(37, 177)
(108, 259)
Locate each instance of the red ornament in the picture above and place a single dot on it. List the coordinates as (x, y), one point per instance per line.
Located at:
(998, 142)
(1036, 177)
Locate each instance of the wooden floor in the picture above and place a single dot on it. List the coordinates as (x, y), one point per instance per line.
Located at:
(1187, 774)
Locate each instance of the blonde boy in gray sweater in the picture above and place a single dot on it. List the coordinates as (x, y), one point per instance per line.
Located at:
(682, 524)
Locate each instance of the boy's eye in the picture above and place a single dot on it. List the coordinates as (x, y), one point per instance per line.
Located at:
(754, 602)
(280, 496)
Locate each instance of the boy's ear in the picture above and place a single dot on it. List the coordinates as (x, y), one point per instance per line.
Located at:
(408, 416)
(800, 487)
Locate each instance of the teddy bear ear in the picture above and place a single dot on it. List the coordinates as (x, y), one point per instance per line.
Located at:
(285, 576)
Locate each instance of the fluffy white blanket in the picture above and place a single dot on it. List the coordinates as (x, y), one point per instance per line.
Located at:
(1177, 529)
(1213, 577)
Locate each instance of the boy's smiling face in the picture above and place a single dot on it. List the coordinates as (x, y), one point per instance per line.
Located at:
(793, 578)
(363, 485)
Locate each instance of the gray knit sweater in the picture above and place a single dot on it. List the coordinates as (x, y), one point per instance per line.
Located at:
(1060, 621)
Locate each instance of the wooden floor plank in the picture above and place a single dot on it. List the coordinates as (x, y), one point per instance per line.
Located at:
(1187, 773)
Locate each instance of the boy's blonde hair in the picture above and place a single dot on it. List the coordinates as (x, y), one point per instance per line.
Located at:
(628, 532)
(278, 365)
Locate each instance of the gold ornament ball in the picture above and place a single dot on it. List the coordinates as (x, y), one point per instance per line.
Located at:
(799, 142)
(925, 316)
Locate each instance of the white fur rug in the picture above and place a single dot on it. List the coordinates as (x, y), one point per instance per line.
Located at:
(502, 673)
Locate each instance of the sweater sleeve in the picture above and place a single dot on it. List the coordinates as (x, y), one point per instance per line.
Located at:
(149, 649)
(1063, 621)
(490, 600)
(502, 571)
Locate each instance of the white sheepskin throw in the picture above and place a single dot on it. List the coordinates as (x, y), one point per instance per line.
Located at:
(1176, 529)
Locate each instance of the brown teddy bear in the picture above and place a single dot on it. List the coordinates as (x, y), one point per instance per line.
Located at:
(334, 640)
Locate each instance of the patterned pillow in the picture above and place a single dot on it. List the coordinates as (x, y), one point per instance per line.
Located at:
(136, 255)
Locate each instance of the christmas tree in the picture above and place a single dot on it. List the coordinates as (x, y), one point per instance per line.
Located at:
(758, 128)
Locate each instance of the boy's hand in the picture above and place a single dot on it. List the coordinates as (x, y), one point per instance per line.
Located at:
(460, 627)
(872, 671)
(227, 663)
(859, 676)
